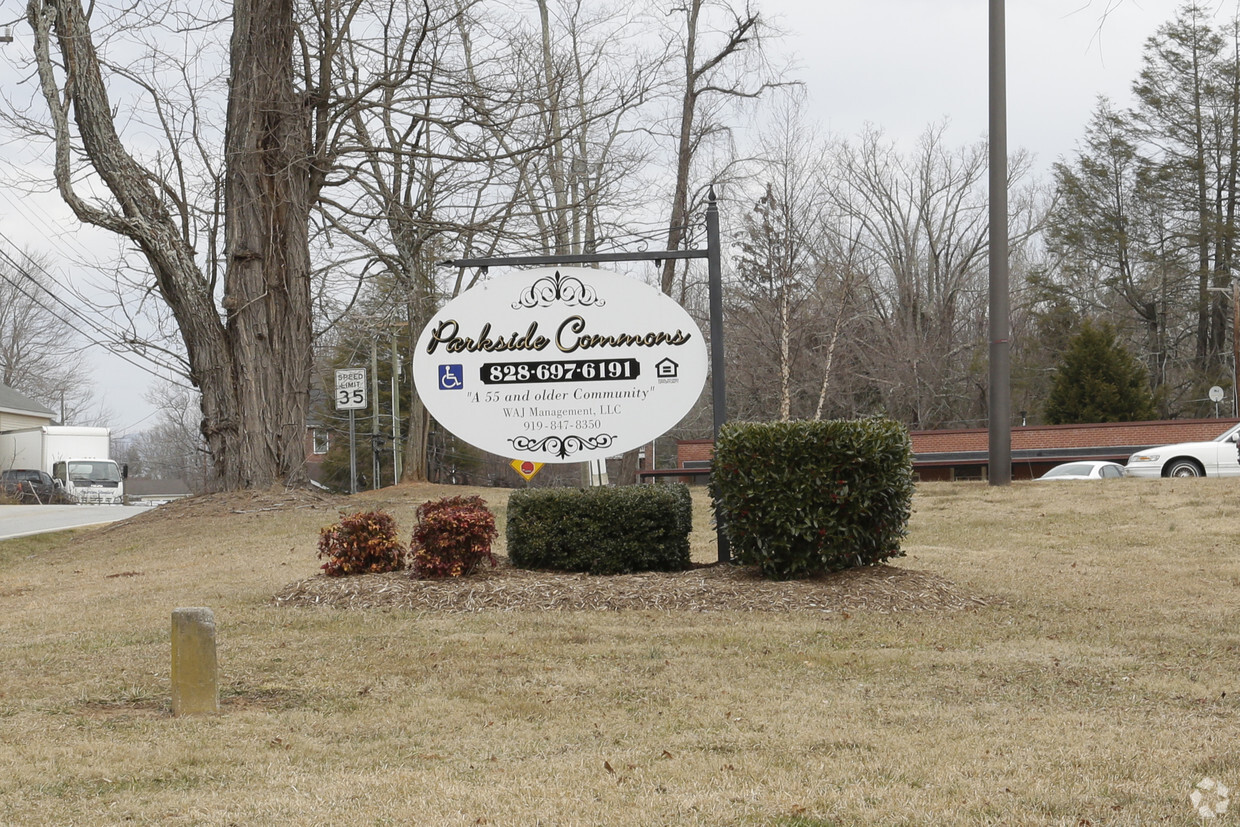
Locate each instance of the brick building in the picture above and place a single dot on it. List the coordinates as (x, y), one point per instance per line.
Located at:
(961, 454)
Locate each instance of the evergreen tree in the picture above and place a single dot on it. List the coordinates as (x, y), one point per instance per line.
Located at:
(1098, 381)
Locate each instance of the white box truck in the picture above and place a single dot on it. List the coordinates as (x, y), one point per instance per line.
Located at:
(77, 457)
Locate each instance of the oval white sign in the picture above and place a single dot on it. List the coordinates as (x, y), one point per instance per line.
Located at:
(560, 365)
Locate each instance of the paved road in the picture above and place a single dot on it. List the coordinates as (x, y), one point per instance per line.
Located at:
(22, 520)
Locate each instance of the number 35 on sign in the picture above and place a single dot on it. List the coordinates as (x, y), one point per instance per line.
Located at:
(351, 389)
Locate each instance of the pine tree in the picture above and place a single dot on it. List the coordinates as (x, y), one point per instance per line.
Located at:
(1098, 381)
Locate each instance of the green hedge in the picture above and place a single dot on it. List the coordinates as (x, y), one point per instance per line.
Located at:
(601, 530)
(802, 498)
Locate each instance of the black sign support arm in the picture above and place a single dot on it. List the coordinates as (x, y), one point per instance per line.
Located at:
(580, 258)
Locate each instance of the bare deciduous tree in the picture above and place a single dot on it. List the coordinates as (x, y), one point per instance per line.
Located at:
(250, 356)
(718, 48)
(41, 354)
(173, 447)
(509, 131)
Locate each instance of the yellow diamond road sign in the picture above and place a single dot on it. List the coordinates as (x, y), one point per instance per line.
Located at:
(526, 468)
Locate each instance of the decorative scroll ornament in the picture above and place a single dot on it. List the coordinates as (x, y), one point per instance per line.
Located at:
(549, 290)
(562, 446)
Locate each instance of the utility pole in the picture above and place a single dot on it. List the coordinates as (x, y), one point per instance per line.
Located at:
(374, 395)
(395, 411)
(999, 460)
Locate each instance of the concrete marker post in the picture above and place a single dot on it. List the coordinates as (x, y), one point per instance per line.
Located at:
(195, 676)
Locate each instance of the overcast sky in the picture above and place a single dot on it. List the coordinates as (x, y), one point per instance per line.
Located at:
(897, 64)
(905, 64)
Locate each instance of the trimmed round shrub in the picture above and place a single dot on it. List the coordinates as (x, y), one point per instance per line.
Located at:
(798, 499)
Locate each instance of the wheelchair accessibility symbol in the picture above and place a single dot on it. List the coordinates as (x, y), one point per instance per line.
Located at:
(451, 377)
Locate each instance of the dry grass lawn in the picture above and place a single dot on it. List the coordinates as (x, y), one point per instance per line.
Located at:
(1058, 654)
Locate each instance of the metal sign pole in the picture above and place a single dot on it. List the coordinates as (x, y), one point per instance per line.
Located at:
(718, 385)
(352, 453)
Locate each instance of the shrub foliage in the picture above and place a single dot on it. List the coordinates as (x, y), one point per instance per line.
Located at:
(803, 498)
(362, 543)
(1098, 380)
(453, 536)
(601, 530)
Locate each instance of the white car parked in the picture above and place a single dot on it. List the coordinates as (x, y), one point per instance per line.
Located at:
(1086, 470)
(1216, 458)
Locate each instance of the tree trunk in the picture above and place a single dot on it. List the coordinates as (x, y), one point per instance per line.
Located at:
(684, 148)
(267, 284)
(415, 465)
(556, 169)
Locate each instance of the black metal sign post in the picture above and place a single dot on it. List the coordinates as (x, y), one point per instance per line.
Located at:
(714, 267)
(718, 392)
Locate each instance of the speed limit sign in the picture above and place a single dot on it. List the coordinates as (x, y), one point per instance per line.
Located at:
(351, 389)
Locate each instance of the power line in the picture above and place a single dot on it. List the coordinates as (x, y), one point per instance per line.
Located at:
(75, 312)
(63, 237)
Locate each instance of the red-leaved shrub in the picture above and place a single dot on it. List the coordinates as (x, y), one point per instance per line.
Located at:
(362, 543)
(453, 536)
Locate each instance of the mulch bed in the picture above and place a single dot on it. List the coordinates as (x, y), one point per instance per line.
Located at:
(703, 588)
(708, 588)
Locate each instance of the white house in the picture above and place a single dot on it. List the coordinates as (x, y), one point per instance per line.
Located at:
(20, 411)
